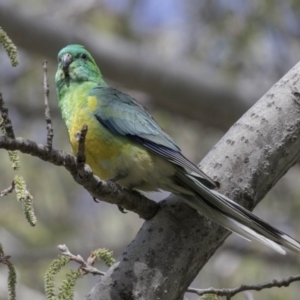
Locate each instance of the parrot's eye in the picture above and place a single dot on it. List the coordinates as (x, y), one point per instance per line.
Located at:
(84, 56)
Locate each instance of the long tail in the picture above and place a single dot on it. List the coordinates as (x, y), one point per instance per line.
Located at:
(232, 216)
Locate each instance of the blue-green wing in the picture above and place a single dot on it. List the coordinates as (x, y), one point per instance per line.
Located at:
(123, 115)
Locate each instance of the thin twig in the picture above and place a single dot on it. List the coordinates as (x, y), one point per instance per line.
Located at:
(47, 108)
(93, 270)
(80, 155)
(6, 120)
(86, 267)
(8, 190)
(229, 293)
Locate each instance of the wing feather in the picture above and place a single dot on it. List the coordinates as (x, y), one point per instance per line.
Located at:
(123, 115)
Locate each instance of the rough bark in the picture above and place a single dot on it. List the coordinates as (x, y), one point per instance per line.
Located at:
(171, 248)
(184, 87)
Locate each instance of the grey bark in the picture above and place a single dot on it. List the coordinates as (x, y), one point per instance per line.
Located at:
(171, 248)
(184, 87)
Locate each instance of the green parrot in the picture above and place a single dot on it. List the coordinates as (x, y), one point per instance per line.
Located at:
(126, 145)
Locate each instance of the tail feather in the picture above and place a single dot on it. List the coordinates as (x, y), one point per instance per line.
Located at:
(232, 216)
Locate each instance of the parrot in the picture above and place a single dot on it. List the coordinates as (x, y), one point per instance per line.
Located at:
(126, 145)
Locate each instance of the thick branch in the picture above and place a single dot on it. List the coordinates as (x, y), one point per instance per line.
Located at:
(106, 191)
(184, 87)
(171, 248)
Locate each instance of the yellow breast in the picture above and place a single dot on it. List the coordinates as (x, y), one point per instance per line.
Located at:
(108, 154)
(101, 146)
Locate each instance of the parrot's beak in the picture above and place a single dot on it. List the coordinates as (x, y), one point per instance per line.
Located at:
(65, 62)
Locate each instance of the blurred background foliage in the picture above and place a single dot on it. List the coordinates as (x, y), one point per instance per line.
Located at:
(245, 44)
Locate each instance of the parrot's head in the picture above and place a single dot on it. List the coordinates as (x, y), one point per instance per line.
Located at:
(75, 64)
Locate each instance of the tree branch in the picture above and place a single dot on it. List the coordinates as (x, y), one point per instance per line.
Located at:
(229, 293)
(85, 266)
(8, 190)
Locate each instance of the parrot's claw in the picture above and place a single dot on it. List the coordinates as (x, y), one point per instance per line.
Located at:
(121, 209)
(96, 200)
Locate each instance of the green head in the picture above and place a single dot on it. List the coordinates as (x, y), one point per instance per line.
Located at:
(76, 65)
(76, 75)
